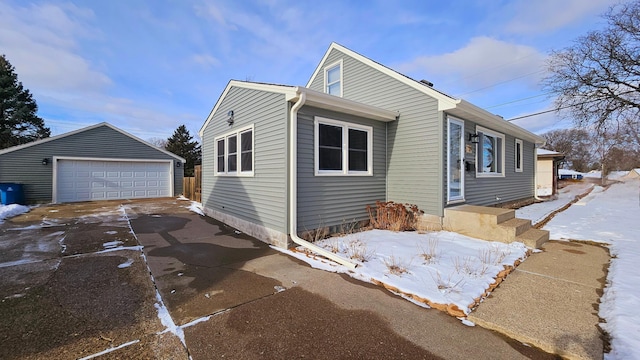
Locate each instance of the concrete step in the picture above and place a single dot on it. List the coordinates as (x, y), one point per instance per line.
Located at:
(483, 213)
(515, 226)
(533, 237)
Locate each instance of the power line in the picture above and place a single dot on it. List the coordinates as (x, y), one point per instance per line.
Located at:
(517, 100)
(499, 83)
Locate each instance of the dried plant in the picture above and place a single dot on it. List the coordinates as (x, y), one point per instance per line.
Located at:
(396, 266)
(494, 254)
(358, 250)
(393, 216)
(349, 227)
(333, 245)
(447, 286)
(430, 252)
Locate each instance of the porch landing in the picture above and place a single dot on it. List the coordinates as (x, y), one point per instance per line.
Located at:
(495, 224)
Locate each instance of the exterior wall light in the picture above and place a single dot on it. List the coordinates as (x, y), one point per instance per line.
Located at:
(473, 138)
(45, 161)
(230, 117)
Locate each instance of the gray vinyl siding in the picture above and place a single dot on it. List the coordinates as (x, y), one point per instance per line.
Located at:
(333, 200)
(25, 165)
(261, 199)
(513, 186)
(415, 142)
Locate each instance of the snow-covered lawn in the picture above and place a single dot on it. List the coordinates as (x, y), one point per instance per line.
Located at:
(540, 211)
(435, 268)
(612, 217)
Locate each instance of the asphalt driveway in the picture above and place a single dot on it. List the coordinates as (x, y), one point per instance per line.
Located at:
(151, 279)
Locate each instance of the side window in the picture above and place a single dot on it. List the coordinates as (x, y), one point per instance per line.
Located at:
(329, 147)
(342, 148)
(333, 79)
(220, 158)
(518, 155)
(234, 153)
(246, 151)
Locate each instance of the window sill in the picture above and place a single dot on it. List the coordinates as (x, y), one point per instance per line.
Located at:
(489, 175)
(247, 174)
(340, 173)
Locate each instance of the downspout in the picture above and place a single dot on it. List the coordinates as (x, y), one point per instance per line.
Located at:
(293, 188)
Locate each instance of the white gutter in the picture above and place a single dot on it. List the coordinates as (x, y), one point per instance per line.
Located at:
(293, 188)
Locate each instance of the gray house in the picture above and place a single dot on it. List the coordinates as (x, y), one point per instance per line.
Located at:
(99, 162)
(279, 160)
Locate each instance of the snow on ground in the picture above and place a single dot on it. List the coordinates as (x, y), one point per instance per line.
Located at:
(612, 217)
(196, 207)
(614, 175)
(8, 211)
(539, 211)
(442, 267)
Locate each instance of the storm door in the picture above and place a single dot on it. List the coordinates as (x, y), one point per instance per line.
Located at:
(455, 160)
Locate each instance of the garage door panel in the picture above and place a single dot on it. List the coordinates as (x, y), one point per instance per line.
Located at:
(83, 180)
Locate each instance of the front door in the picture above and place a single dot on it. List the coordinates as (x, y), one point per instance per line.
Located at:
(455, 160)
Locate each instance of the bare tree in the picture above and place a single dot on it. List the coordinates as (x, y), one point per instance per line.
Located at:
(596, 81)
(575, 144)
(158, 142)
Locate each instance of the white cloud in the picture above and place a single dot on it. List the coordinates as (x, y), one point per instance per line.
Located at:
(481, 63)
(205, 60)
(540, 16)
(40, 42)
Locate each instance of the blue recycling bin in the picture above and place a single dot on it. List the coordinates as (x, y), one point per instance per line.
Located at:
(11, 193)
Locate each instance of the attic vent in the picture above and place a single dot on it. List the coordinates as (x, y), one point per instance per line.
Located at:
(427, 82)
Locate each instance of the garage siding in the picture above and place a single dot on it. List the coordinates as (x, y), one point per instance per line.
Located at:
(25, 165)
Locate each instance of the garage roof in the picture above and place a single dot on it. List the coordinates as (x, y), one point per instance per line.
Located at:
(57, 137)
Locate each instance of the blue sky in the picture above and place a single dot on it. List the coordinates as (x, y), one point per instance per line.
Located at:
(149, 66)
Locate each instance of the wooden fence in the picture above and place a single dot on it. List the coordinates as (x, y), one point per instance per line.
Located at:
(193, 185)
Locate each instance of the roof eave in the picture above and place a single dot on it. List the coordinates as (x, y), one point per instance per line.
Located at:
(338, 104)
(467, 110)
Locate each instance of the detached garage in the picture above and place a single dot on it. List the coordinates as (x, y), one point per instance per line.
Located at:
(99, 162)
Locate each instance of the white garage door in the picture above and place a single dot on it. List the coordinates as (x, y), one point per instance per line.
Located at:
(84, 180)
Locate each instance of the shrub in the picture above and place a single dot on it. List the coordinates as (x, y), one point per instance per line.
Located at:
(393, 216)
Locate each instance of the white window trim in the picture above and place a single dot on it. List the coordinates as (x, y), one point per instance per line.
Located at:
(345, 148)
(224, 137)
(461, 198)
(326, 77)
(489, 132)
(515, 157)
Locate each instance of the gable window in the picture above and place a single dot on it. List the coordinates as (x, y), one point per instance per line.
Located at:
(234, 153)
(333, 79)
(518, 153)
(342, 148)
(490, 153)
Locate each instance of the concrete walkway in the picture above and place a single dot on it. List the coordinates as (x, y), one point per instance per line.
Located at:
(551, 301)
(268, 305)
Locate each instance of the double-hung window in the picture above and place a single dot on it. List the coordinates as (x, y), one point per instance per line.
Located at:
(333, 79)
(234, 153)
(518, 155)
(489, 153)
(342, 148)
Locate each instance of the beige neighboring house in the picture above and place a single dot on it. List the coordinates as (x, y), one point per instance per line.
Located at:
(547, 171)
(633, 174)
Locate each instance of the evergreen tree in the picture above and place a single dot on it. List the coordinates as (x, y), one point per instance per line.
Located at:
(19, 123)
(182, 144)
